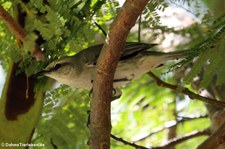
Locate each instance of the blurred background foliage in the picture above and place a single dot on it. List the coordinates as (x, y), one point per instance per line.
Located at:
(68, 26)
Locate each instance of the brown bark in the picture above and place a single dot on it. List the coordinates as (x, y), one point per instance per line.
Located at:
(100, 126)
(19, 33)
(216, 140)
(186, 91)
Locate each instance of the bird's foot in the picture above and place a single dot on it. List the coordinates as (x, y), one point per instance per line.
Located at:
(116, 94)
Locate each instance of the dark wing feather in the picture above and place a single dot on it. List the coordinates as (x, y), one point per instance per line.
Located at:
(134, 48)
(131, 49)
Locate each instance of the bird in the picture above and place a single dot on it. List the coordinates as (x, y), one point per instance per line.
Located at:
(136, 59)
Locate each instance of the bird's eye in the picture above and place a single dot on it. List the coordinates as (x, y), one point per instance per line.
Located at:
(57, 66)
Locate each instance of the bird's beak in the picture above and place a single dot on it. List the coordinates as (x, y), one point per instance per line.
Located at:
(41, 73)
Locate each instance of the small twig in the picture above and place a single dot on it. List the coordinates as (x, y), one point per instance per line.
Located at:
(19, 32)
(170, 126)
(179, 140)
(127, 143)
(139, 28)
(103, 31)
(36, 138)
(53, 144)
(186, 91)
(171, 143)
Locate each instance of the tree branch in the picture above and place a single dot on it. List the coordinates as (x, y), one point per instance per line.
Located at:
(170, 126)
(101, 29)
(186, 91)
(179, 140)
(19, 32)
(12, 25)
(128, 143)
(171, 143)
(100, 126)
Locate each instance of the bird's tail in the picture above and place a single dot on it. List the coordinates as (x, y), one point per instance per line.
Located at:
(177, 54)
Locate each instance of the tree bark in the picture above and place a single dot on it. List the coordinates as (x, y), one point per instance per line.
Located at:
(20, 33)
(100, 119)
(216, 140)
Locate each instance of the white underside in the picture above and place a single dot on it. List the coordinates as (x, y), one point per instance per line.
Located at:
(129, 69)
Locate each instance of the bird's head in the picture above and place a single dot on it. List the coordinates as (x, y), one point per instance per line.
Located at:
(59, 69)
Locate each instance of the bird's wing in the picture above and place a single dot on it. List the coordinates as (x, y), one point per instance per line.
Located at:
(134, 48)
(130, 50)
(90, 55)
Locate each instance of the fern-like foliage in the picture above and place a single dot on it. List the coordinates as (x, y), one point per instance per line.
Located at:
(64, 119)
(210, 52)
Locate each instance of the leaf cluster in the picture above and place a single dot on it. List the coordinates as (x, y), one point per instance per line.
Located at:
(64, 119)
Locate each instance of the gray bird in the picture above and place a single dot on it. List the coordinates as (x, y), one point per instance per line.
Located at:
(78, 71)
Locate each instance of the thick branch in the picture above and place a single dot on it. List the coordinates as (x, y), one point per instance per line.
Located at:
(187, 92)
(19, 32)
(100, 126)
